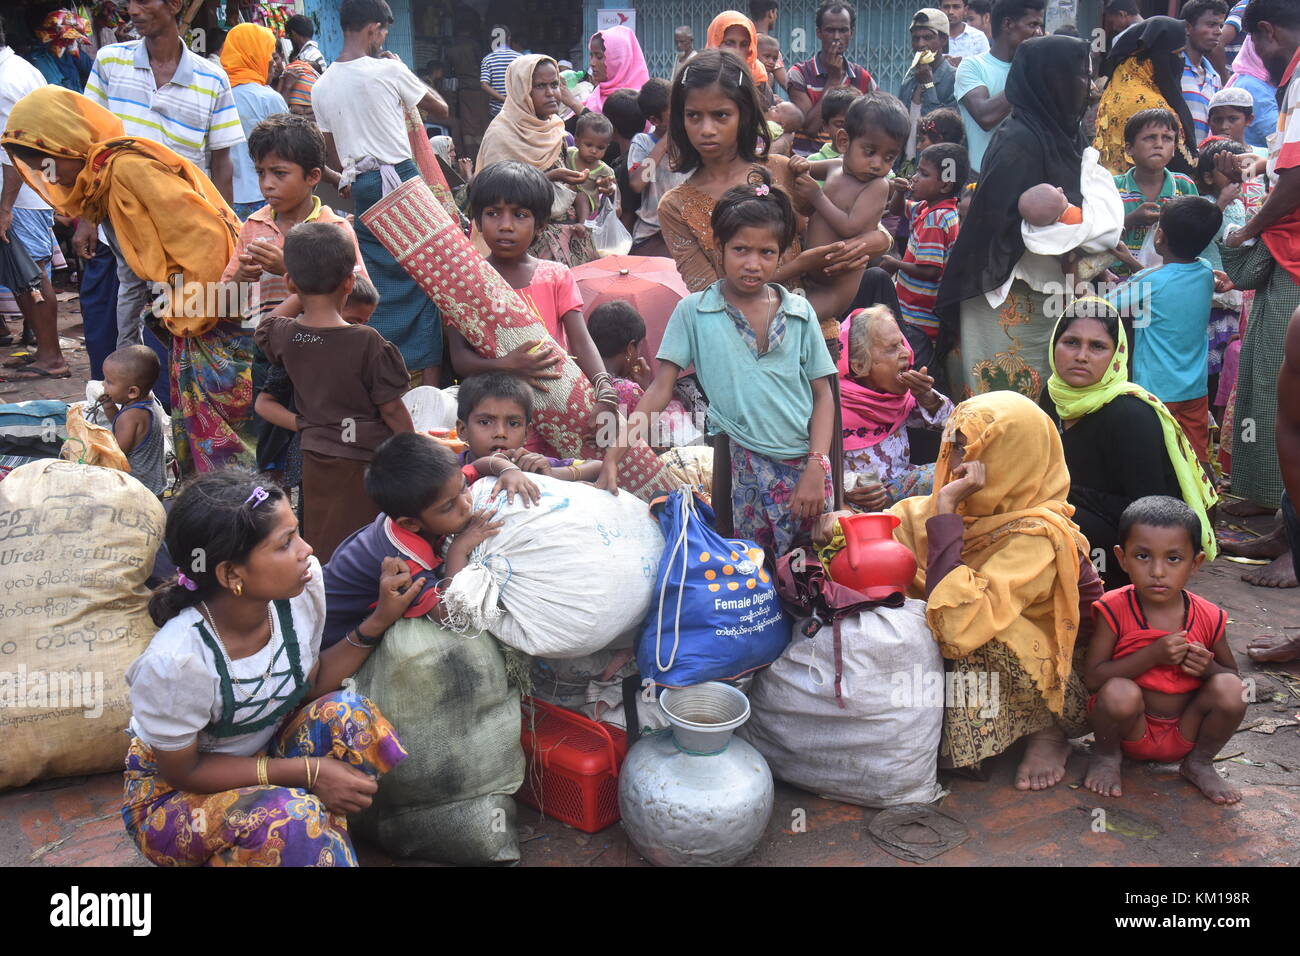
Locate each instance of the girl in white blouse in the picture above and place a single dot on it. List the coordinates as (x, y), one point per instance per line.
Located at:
(244, 751)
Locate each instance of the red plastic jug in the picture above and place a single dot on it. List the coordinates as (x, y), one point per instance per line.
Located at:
(872, 562)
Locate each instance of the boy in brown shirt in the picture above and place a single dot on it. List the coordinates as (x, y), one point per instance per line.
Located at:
(348, 384)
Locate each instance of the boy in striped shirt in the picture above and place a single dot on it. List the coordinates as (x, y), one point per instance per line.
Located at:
(940, 175)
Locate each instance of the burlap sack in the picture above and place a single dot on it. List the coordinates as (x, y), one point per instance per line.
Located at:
(76, 545)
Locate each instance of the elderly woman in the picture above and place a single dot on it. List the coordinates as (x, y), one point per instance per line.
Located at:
(1120, 441)
(881, 396)
(528, 130)
(172, 226)
(1008, 586)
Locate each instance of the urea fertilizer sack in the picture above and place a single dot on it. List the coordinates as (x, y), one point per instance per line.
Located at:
(449, 701)
(77, 543)
(881, 749)
(563, 578)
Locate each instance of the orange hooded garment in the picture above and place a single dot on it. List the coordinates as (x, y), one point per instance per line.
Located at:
(720, 25)
(168, 217)
(246, 55)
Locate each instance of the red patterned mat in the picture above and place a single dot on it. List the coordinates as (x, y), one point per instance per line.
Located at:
(415, 228)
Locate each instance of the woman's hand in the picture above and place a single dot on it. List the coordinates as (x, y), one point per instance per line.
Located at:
(824, 528)
(1228, 194)
(572, 177)
(868, 496)
(1221, 281)
(1230, 165)
(641, 373)
(466, 167)
(397, 592)
(857, 253)
(1235, 238)
(608, 478)
(536, 366)
(921, 384)
(343, 788)
(968, 478)
(810, 493)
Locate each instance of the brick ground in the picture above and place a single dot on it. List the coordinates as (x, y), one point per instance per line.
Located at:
(1161, 820)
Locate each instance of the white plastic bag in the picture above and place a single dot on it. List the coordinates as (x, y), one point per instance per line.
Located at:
(881, 749)
(564, 578)
(432, 408)
(1147, 255)
(609, 235)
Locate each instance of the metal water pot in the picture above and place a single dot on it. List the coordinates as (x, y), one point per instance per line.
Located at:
(696, 796)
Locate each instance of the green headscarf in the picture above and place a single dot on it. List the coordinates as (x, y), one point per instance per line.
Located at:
(1072, 403)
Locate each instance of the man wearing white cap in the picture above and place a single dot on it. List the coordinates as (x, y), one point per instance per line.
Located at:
(929, 86)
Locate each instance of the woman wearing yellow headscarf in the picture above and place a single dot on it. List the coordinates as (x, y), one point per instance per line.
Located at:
(1007, 583)
(1120, 441)
(735, 32)
(174, 229)
(246, 58)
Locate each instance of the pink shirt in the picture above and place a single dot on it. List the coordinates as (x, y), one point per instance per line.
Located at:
(551, 294)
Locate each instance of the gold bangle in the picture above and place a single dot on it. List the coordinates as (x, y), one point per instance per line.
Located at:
(316, 775)
(262, 778)
(307, 764)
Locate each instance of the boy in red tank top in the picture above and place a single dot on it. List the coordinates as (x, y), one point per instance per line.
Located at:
(1164, 684)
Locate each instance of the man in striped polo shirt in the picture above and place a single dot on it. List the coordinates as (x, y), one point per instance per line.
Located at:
(492, 72)
(162, 91)
(1204, 20)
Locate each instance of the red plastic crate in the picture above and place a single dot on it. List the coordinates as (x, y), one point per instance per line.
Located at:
(571, 766)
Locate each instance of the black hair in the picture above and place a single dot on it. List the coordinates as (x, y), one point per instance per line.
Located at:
(882, 111)
(318, 257)
(300, 25)
(1205, 160)
(1190, 223)
(1280, 13)
(406, 473)
(1161, 511)
(1121, 6)
(832, 6)
(28, 154)
(836, 102)
(613, 325)
(515, 183)
(742, 206)
(1004, 10)
(363, 291)
(654, 96)
(1089, 308)
(623, 113)
(476, 388)
(356, 15)
(1159, 116)
(140, 363)
(721, 68)
(594, 124)
(1196, 9)
(761, 8)
(952, 162)
(211, 521)
(290, 136)
(942, 126)
(1068, 30)
(981, 7)
(216, 39)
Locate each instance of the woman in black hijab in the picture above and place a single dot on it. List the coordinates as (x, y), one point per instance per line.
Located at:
(992, 295)
(1145, 71)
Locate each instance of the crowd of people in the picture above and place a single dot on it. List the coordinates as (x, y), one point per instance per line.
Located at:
(1036, 305)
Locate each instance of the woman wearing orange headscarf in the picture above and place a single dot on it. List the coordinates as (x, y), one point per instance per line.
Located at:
(173, 228)
(246, 58)
(735, 32)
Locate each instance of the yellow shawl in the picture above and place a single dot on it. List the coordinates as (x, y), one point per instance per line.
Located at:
(1019, 581)
(517, 132)
(168, 217)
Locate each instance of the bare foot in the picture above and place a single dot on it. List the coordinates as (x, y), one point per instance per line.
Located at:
(1200, 771)
(1103, 775)
(1043, 765)
(1271, 545)
(1274, 647)
(1245, 508)
(38, 370)
(1279, 574)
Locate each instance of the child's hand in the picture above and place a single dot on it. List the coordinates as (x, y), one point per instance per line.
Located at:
(606, 185)
(806, 188)
(800, 166)
(1198, 658)
(1221, 281)
(918, 382)
(530, 461)
(968, 478)
(1171, 650)
(480, 528)
(343, 788)
(269, 256)
(249, 270)
(809, 494)
(1230, 165)
(397, 592)
(869, 496)
(515, 482)
(581, 231)
(899, 186)
(890, 264)
(536, 366)
(1143, 216)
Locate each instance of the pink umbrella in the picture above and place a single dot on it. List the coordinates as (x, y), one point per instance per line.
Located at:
(650, 284)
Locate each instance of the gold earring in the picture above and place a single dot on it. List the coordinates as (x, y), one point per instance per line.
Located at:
(238, 588)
